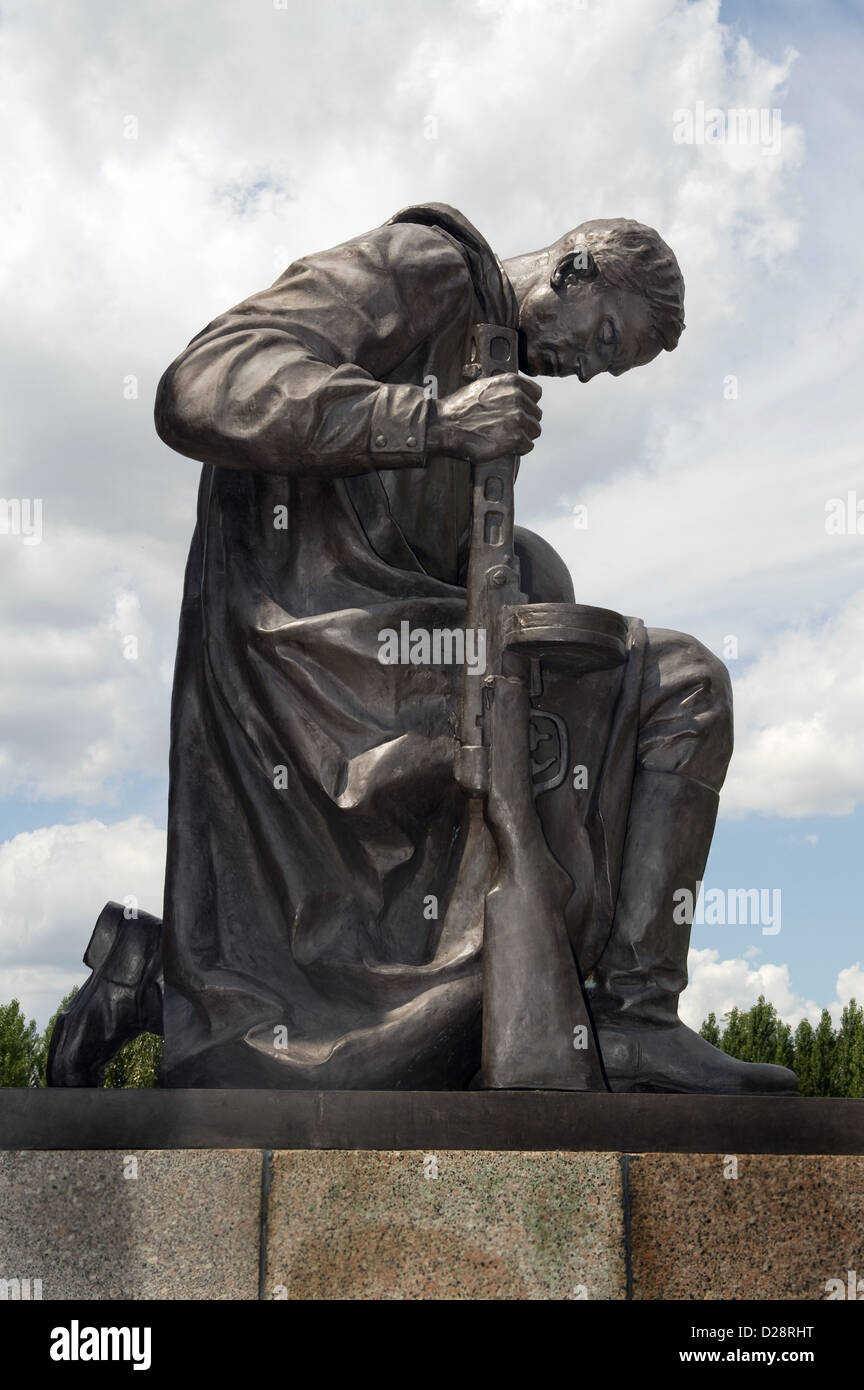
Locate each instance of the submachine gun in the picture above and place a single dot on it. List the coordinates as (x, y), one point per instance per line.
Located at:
(537, 1029)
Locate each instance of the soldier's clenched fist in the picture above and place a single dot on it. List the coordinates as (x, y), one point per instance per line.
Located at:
(488, 419)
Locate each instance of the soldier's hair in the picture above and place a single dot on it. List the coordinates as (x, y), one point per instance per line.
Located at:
(631, 256)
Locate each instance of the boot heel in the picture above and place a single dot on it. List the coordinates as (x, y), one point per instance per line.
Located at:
(104, 935)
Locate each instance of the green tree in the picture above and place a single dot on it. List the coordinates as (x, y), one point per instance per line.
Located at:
(20, 1047)
(760, 1032)
(784, 1052)
(848, 1075)
(803, 1065)
(710, 1031)
(734, 1039)
(136, 1064)
(824, 1052)
(827, 1063)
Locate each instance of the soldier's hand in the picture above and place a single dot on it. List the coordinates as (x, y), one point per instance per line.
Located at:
(487, 419)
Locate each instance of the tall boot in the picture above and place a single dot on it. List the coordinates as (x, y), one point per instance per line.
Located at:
(640, 975)
(121, 1000)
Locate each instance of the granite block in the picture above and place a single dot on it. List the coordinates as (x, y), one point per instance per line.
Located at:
(179, 1224)
(780, 1229)
(449, 1224)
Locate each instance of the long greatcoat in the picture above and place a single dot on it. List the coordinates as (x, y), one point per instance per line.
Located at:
(323, 919)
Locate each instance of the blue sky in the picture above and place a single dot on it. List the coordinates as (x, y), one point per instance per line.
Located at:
(817, 860)
(294, 129)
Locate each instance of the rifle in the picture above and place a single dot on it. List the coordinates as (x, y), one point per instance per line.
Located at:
(537, 1028)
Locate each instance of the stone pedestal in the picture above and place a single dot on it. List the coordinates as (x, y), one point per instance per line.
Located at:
(158, 1195)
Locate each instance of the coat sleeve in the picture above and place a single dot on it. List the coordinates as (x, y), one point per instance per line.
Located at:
(290, 381)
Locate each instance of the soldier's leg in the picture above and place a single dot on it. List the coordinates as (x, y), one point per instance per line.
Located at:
(684, 746)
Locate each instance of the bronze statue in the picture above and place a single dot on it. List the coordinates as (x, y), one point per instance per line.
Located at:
(352, 806)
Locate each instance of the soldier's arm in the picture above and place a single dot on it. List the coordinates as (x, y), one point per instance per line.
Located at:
(290, 381)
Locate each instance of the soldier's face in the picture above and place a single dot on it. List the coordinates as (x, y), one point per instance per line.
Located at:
(584, 329)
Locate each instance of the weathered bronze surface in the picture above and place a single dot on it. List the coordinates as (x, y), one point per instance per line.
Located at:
(382, 871)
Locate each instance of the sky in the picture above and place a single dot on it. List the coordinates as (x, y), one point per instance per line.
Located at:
(160, 162)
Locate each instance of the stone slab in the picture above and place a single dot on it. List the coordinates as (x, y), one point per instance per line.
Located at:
(451, 1224)
(446, 1225)
(500, 1120)
(781, 1229)
(186, 1227)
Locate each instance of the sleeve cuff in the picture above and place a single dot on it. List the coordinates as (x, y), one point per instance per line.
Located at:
(398, 424)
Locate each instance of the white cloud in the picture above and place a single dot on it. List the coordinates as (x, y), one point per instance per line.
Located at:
(717, 986)
(799, 727)
(118, 250)
(850, 985)
(53, 884)
(39, 989)
(82, 709)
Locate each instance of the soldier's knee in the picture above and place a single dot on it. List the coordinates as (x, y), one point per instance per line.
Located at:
(689, 680)
(711, 677)
(711, 673)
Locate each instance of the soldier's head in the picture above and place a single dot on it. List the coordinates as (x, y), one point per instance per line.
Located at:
(605, 297)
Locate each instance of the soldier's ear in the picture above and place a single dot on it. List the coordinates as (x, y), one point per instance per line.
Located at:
(573, 268)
